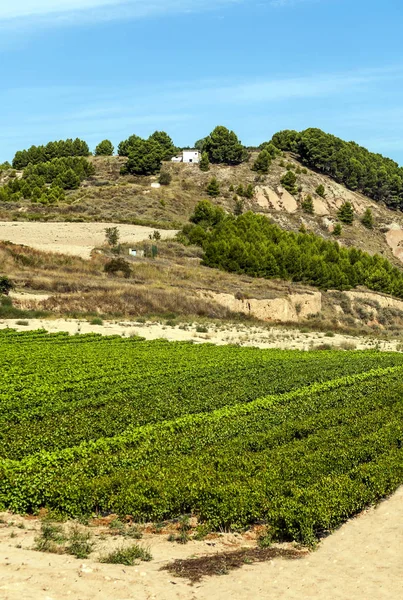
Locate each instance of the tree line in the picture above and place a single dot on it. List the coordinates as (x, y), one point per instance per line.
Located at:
(357, 168)
(41, 154)
(46, 182)
(250, 244)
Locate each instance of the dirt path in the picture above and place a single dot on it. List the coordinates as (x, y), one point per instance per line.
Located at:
(362, 560)
(226, 333)
(77, 239)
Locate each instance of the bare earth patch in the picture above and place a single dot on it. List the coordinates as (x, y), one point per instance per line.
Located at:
(77, 239)
(362, 560)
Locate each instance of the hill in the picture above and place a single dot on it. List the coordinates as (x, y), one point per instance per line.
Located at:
(107, 195)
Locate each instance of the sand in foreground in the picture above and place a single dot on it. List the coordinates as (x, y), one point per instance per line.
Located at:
(362, 560)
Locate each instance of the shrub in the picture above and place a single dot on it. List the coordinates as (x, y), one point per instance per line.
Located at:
(213, 188)
(288, 182)
(116, 266)
(320, 190)
(127, 556)
(263, 162)
(5, 285)
(345, 213)
(204, 164)
(337, 230)
(165, 178)
(307, 205)
(368, 219)
(79, 543)
(112, 236)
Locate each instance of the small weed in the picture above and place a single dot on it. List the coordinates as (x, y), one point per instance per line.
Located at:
(329, 334)
(80, 544)
(127, 556)
(20, 322)
(265, 539)
(13, 534)
(50, 539)
(134, 532)
(96, 321)
(171, 537)
(201, 329)
(202, 531)
(184, 528)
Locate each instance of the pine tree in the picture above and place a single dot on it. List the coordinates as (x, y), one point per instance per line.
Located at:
(104, 148)
(240, 190)
(213, 188)
(346, 213)
(368, 219)
(204, 164)
(307, 205)
(288, 182)
(320, 190)
(337, 230)
(250, 191)
(262, 163)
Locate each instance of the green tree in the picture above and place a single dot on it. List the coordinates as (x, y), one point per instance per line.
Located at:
(104, 148)
(112, 236)
(125, 146)
(168, 149)
(223, 146)
(145, 158)
(206, 214)
(288, 182)
(345, 213)
(320, 190)
(262, 163)
(368, 219)
(240, 190)
(250, 191)
(5, 285)
(307, 205)
(204, 164)
(337, 230)
(213, 188)
(239, 206)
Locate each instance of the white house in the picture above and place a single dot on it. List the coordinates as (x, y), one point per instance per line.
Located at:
(188, 156)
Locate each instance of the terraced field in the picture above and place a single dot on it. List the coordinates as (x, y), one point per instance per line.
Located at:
(299, 440)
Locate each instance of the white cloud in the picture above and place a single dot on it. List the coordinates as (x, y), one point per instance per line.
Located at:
(69, 10)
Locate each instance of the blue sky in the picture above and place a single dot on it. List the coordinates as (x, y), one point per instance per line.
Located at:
(108, 68)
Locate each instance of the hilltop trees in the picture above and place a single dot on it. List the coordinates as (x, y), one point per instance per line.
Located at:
(378, 177)
(41, 154)
(145, 158)
(104, 148)
(223, 146)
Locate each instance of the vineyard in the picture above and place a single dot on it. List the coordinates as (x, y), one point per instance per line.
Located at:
(298, 440)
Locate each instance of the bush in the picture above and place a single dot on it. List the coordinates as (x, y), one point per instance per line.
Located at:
(337, 230)
(213, 188)
(5, 285)
(104, 148)
(288, 182)
(204, 164)
(262, 163)
(345, 214)
(165, 178)
(368, 219)
(307, 205)
(127, 556)
(320, 190)
(116, 266)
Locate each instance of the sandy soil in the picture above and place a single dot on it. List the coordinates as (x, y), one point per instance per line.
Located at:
(261, 337)
(362, 560)
(71, 238)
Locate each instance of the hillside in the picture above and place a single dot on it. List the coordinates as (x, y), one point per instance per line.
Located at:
(108, 196)
(174, 283)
